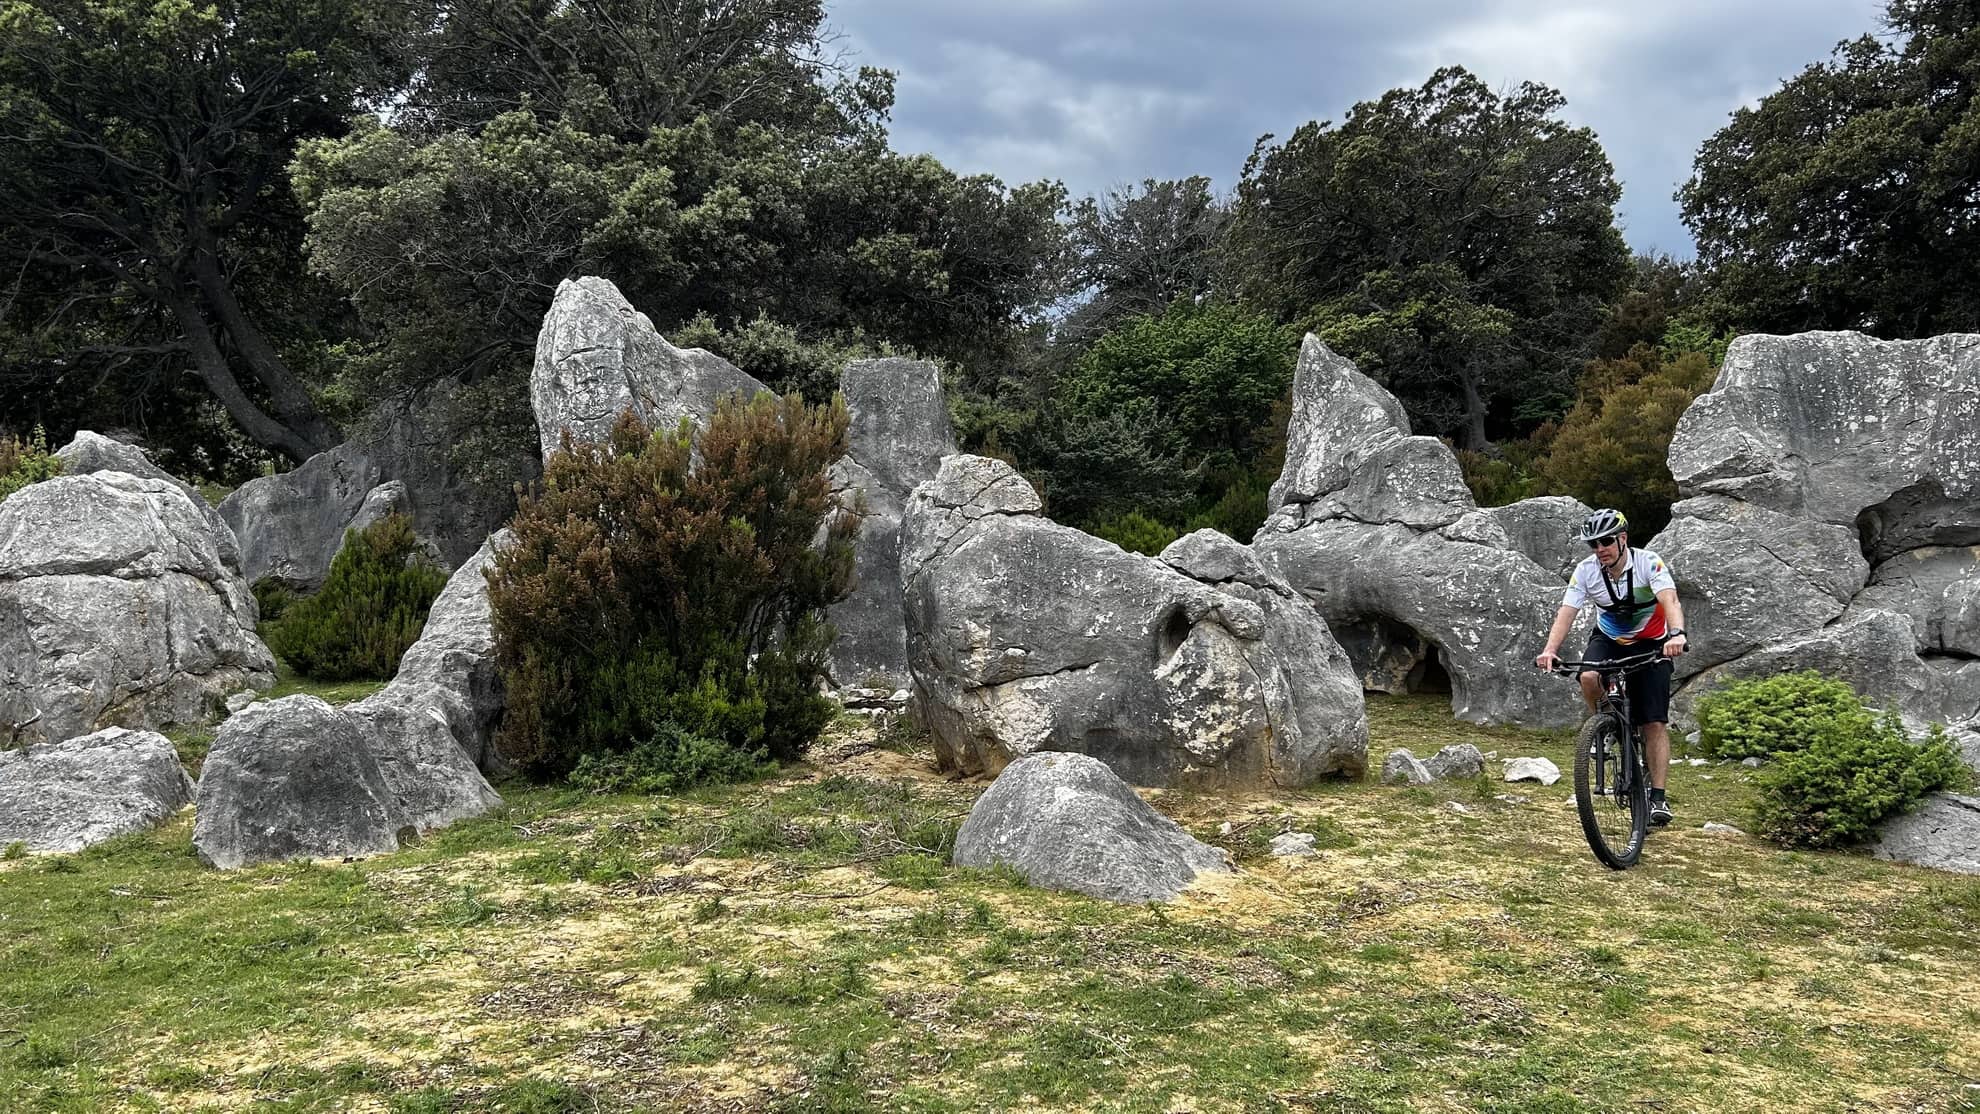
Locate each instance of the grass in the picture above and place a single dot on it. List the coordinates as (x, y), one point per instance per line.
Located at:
(803, 944)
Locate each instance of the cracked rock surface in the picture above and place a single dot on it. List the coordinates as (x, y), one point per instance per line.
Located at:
(1833, 519)
(117, 609)
(597, 356)
(79, 792)
(1023, 635)
(899, 434)
(1377, 530)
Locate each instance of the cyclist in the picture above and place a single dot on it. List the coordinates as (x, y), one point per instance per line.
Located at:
(1638, 610)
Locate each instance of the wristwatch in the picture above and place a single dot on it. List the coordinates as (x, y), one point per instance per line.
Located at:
(1678, 633)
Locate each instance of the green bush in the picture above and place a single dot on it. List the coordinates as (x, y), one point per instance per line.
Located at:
(1775, 715)
(1836, 770)
(372, 606)
(1135, 532)
(650, 596)
(1238, 513)
(668, 762)
(1848, 780)
(26, 460)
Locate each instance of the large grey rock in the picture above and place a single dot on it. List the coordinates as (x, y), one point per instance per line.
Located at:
(1832, 426)
(117, 609)
(400, 459)
(1942, 833)
(415, 732)
(1376, 529)
(456, 652)
(597, 357)
(1939, 589)
(89, 452)
(69, 795)
(900, 432)
(1067, 822)
(1546, 529)
(1402, 767)
(1458, 760)
(293, 779)
(1485, 610)
(1025, 635)
(1834, 511)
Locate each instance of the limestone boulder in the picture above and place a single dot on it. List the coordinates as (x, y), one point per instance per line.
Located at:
(293, 779)
(1390, 589)
(597, 357)
(899, 433)
(1833, 426)
(68, 795)
(400, 459)
(1942, 833)
(1376, 529)
(1025, 635)
(456, 653)
(1833, 517)
(1547, 530)
(90, 452)
(117, 609)
(408, 758)
(1067, 822)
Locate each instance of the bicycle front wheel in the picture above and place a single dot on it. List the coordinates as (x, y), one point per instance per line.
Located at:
(1610, 792)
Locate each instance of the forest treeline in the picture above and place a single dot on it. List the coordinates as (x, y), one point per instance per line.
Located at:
(235, 226)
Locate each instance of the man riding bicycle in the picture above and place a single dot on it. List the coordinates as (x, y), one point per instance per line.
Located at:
(1638, 609)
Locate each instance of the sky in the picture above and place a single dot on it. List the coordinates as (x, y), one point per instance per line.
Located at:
(1104, 93)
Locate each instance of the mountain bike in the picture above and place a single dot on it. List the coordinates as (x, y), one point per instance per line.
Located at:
(1611, 777)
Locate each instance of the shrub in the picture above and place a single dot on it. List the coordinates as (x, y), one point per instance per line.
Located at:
(1135, 532)
(26, 460)
(1238, 513)
(1775, 715)
(372, 606)
(1848, 780)
(1837, 770)
(667, 762)
(1611, 449)
(650, 596)
(775, 355)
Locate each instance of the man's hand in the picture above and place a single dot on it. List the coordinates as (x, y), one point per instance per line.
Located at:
(1547, 659)
(1675, 645)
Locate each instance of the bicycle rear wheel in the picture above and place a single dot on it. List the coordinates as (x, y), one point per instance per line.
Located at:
(1610, 792)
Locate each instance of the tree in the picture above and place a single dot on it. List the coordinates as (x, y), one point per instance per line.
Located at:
(1849, 198)
(142, 201)
(452, 246)
(1139, 253)
(1166, 411)
(1613, 447)
(1458, 244)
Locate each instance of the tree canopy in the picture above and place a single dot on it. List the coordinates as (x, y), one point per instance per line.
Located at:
(1458, 244)
(1849, 198)
(142, 195)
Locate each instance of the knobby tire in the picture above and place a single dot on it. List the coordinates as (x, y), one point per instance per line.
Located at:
(1626, 781)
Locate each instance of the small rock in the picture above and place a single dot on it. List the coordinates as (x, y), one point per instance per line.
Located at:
(1728, 829)
(1460, 809)
(1691, 738)
(1455, 761)
(240, 700)
(1704, 777)
(1293, 843)
(1541, 770)
(1697, 761)
(1512, 798)
(1750, 763)
(1402, 767)
(1224, 828)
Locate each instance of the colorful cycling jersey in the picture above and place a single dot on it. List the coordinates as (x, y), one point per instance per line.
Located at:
(1628, 602)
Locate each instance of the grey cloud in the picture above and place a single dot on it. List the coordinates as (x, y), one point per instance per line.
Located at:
(1102, 92)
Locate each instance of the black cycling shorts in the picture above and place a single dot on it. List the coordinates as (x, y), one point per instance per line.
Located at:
(1649, 689)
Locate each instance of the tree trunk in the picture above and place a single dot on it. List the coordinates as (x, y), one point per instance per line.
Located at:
(290, 397)
(211, 364)
(1474, 410)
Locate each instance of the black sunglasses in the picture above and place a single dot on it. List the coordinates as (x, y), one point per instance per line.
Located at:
(1595, 543)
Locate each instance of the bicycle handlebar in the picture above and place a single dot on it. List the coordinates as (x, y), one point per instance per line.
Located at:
(1563, 668)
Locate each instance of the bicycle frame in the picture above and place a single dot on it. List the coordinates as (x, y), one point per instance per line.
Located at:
(1608, 776)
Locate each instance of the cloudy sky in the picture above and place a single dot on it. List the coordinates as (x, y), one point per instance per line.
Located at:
(1099, 93)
